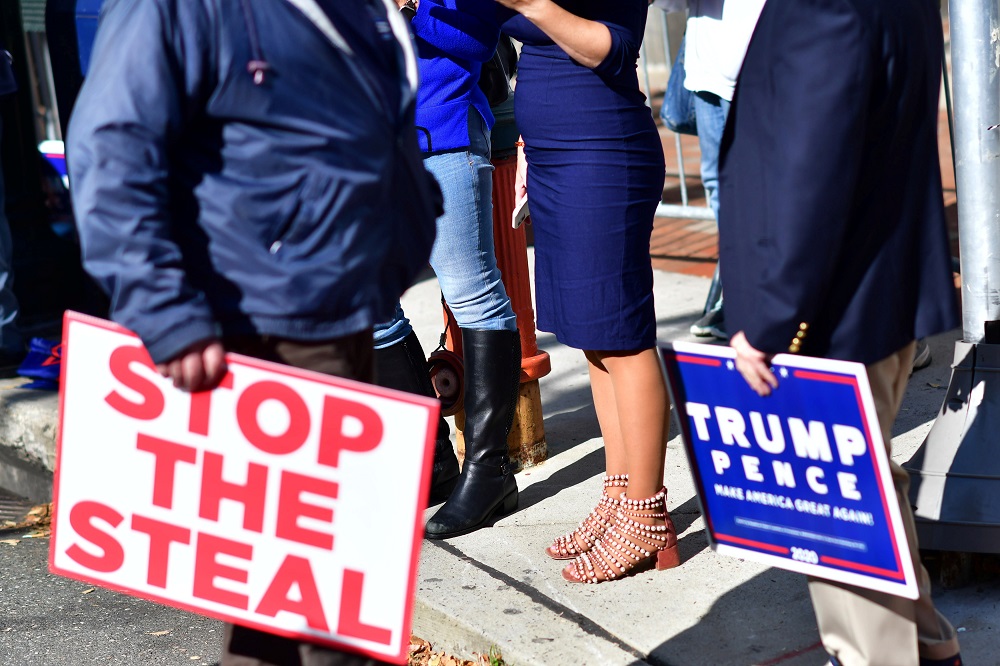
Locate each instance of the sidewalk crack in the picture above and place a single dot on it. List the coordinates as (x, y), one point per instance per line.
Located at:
(582, 621)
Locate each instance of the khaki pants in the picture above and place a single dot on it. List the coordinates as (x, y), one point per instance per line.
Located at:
(349, 357)
(861, 627)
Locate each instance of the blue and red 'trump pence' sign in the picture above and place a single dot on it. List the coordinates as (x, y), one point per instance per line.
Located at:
(798, 479)
(283, 500)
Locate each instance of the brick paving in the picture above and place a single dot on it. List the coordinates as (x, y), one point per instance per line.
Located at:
(691, 246)
(680, 245)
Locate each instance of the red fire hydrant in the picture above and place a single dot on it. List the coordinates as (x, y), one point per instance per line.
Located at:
(527, 435)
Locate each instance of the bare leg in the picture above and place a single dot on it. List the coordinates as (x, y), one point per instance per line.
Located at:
(638, 398)
(602, 388)
(630, 397)
(596, 523)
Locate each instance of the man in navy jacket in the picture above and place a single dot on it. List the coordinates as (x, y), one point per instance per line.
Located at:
(833, 243)
(236, 171)
(246, 177)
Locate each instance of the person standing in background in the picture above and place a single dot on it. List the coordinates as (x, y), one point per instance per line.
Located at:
(715, 41)
(246, 178)
(833, 244)
(592, 168)
(453, 40)
(11, 343)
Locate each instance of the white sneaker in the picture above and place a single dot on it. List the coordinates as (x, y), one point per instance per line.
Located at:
(922, 356)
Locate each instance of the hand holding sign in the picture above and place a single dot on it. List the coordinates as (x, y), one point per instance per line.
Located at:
(252, 502)
(200, 367)
(796, 478)
(754, 365)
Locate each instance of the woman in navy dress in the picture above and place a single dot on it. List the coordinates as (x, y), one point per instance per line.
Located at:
(594, 176)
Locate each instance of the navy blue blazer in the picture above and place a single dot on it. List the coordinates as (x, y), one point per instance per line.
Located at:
(832, 221)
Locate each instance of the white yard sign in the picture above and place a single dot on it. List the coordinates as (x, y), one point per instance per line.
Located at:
(283, 500)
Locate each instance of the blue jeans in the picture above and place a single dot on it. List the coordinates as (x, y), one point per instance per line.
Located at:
(711, 112)
(10, 337)
(463, 257)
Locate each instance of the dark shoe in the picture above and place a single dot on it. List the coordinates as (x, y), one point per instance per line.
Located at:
(950, 661)
(924, 661)
(486, 488)
(713, 324)
(922, 356)
(484, 493)
(403, 367)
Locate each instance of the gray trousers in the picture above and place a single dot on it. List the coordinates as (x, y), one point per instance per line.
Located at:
(349, 357)
(864, 628)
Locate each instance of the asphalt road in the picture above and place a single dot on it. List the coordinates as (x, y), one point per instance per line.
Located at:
(47, 620)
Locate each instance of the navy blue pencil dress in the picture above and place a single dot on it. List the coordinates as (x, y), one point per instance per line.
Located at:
(595, 177)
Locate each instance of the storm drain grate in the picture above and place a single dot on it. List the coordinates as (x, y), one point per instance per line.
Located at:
(13, 508)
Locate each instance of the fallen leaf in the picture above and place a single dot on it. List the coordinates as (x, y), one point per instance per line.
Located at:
(159, 633)
(88, 590)
(38, 518)
(10, 542)
(39, 513)
(421, 653)
(934, 385)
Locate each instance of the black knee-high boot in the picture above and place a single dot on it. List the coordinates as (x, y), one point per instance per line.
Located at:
(486, 488)
(403, 367)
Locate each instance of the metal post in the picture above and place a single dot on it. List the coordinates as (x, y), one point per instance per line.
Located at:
(683, 210)
(668, 57)
(956, 472)
(976, 62)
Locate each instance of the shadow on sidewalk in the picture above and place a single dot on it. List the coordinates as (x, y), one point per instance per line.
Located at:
(578, 472)
(746, 625)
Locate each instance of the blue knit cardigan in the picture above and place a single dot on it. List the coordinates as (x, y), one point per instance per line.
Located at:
(454, 38)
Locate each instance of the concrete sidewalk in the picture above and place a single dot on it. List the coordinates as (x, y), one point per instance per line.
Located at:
(496, 586)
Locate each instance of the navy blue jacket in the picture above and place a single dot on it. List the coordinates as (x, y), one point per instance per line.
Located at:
(454, 38)
(831, 205)
(209, 205)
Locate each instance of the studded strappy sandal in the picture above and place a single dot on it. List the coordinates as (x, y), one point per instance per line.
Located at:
(629, 545)
(593, 527)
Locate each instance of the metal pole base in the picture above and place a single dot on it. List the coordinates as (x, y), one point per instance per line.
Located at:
(955, 475)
